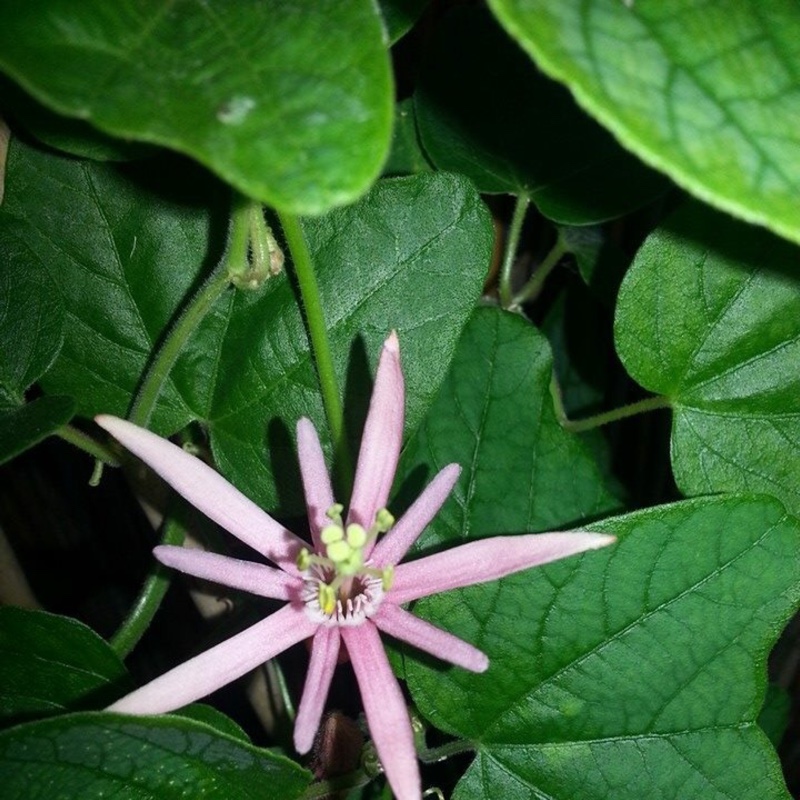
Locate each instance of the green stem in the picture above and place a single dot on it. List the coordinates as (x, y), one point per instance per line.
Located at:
(530, 291)
(430, 755)
(86, 443)
(589, 423)
(512, 245)
(191, 316)
(152, 593)
(320, 346)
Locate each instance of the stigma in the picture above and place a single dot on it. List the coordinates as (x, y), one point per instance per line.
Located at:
(341, 587)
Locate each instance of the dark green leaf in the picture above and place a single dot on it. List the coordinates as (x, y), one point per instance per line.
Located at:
(406, 156)
(23, 427)
(400, 15)
(288, 101)
(94, 756)
(112, 255)
(50, 663)
(484, 110)
(706, 92)
(199, 712)
(635, 671)
(410, 256)
(494, 416)
(709, 315)
(774, 716)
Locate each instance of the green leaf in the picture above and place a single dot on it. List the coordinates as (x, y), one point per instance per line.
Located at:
(709, 315)
(291, 102)
(774, 716)
(484, 110)
(407, 156)
(115, 258)
(706, 92)
(93, 756)
(400, 15)
(70, 135)
(634, 671)
(23, 427)
(200, 712)
(494, 416)
(410, 256)
(50, 663)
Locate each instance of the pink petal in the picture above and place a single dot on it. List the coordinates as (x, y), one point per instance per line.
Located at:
(246, 575)
(380, 442)
(395, 544)
(209, 491)
(316, 480)
(487, 560)
(324, 655)
(220, 665)
(385, 707)
(404, 626)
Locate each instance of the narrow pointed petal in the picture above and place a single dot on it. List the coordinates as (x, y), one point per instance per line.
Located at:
(324, 655)
(316, 480)
(208, 491)
(487, 560)
(395, 544)
(245, 575)
(385, 707)
(404, 626)
(382, 437)
(220, 665)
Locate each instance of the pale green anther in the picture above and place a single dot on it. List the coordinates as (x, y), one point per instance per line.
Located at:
(327, 598)
(303, 559)
(338, 552)
(387, 578)
(384, 520)
(331, 534)
(335, 511)
(356, 536)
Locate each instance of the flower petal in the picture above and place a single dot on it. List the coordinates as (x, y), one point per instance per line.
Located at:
(394, 545)
(324, 655)
(316, 480)
(404, 626)
(248, 576)
(487, 560)
(209, 491)
(382, 437)
(385, 707)
(220, 665)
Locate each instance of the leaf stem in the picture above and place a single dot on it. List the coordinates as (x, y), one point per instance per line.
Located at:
(530, 291)
(152, 593)
(512, 245)
(192, 315)
(320, 345)
(430, 755)
(606, 417)
(86, 443)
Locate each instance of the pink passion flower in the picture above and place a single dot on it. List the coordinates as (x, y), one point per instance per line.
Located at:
(346, 587)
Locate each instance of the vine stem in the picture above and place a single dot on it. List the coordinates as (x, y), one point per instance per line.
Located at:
(86, 443)
(193, 313)
(320, 345)
(530, 291)
(604, 418)
(512, 245)
(150, 596)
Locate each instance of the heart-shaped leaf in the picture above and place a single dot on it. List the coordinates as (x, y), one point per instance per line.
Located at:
(709, 315)
(706, 92)
(635, 671)
(95, 755)
(484, 110)
(291, 102)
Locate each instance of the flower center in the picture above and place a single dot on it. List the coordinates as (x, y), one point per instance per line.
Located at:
(341, 587)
